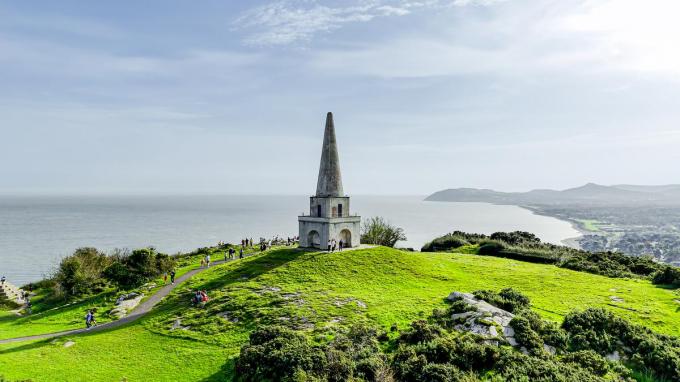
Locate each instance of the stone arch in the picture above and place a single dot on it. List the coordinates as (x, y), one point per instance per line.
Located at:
(346, 237)
(313, 239)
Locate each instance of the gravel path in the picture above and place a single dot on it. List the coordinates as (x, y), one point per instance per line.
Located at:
(138, 312)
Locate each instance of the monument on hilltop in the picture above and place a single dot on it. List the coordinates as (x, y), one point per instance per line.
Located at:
(329, 217)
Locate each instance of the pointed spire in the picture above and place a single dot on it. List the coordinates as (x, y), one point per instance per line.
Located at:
(330, 181)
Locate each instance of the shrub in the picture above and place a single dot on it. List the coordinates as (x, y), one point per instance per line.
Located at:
(669, 275)
(81, 273)
(277, 353)
(526, 336)
(421, 331)
(445, 243)
(601, 331)
(588, 360)
(378, 231)
(508, 299)
(138, 267)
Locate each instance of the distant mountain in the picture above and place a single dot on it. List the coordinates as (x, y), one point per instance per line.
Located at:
(590, 193)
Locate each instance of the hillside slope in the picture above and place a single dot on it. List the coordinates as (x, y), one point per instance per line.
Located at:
(317, 292)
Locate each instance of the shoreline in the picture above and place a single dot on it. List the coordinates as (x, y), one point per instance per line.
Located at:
(570, 241)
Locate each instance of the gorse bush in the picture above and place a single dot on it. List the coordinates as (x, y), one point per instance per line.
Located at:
(601, 331)
(507, 299)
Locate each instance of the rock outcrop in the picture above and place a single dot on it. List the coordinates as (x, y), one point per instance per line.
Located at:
(485, 320)
(125, 304)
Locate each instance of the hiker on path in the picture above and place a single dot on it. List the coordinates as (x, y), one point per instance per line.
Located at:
(165, 278)
(225, 256)
(202, 262)
(172, 276)
(240, 255)
(89, 319)
(207, 261)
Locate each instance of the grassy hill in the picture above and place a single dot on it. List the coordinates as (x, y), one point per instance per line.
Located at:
(317, 292)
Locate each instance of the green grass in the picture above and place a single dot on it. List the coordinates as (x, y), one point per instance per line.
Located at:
(321, 293)
(589, 225)
(48, 317)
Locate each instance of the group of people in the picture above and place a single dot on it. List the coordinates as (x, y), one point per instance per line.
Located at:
(200, 298)
(172, 277)
(335, 245)
(205, 262)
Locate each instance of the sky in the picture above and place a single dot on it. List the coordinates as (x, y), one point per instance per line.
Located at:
(230, 97)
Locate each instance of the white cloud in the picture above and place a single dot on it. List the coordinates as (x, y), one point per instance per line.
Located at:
(288, 21)
(608, 37)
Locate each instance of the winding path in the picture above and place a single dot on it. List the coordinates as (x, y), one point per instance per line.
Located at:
(138, 312)
(141, 309)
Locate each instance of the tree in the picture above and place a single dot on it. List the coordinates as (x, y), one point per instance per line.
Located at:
(377, 230)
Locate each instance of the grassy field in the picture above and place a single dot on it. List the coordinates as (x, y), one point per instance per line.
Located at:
(49, 317)
(318, 292)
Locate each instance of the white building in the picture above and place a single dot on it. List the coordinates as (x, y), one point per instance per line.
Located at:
(329, 216)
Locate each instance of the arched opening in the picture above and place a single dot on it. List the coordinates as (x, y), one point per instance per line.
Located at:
(313, 239)
(346, 237)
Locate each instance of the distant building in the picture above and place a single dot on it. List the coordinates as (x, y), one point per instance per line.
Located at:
(329, 216)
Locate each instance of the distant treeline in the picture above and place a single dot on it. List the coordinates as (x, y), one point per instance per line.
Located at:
(526, 246)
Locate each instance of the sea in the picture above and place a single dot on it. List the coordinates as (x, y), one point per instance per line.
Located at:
(37, 231)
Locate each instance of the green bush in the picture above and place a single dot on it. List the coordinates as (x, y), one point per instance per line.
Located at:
(603, 332)
(138, 267)
(668, 275)
(378, 231)
(588, 360)
(445, 243)
(81, 273)
(508, 299)
(276, 354)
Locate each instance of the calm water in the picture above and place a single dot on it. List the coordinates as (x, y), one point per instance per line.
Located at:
(35, 232)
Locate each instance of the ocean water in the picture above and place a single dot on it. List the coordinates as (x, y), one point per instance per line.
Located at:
(37, 231)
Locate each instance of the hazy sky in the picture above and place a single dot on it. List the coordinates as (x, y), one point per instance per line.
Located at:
(230, 96)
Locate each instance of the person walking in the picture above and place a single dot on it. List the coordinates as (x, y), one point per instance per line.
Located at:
(90, 320)
(340, 245)
(202, 262)
(165, 278)
(207, 261)
(2, 280)
(329, 245)
(172, 276)
(240, 255)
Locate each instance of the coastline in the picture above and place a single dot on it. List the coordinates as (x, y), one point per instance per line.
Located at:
(572, 242)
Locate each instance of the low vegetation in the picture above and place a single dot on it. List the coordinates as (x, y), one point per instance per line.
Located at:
(527, 247)
(431, 350)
